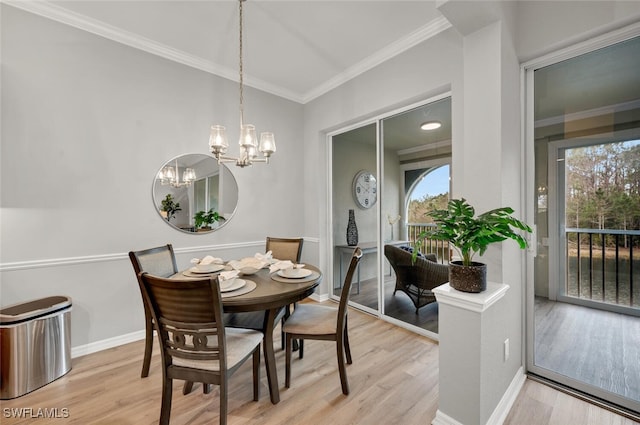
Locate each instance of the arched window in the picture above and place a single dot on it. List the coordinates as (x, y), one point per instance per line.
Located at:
(428, 191)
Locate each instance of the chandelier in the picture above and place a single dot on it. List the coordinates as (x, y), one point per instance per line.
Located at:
(171, 176)
(249, 146)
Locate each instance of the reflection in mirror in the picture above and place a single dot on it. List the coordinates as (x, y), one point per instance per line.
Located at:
(415, 155)
(195, 194)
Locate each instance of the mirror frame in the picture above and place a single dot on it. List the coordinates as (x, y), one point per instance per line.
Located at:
(221, 170)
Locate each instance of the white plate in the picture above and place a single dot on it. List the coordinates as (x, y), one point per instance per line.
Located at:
(211, 269)
(237, 284)
(294, 273)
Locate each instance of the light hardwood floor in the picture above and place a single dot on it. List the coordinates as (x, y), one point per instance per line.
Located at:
(394, 380)
(609, 346)
(398, 305)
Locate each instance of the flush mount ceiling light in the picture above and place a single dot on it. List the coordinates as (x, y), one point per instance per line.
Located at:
(430, 125)
(249, 146)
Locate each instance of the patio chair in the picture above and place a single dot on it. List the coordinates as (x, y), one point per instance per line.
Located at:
(418, 279)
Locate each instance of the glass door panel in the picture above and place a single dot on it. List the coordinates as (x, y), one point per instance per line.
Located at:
(355, 192)
(416, 176)
(585, 325)
(386, 172)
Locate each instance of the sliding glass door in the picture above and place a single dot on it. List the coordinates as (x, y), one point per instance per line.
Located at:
(355, 195)
(389, 172)
(584, 300)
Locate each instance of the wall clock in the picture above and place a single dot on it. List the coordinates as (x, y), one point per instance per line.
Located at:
(365, 189)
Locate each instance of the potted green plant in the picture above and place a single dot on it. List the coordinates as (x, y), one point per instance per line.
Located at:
(204, 219)
(470, 234)
(169, 207)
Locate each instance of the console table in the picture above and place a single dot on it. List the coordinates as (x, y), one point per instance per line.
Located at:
(367, 248)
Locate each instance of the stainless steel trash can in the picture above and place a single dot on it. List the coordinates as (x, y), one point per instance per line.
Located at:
(35, 344)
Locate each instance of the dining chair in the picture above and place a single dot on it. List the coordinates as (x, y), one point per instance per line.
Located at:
(195, 344)
(322, 322)
(159, 261)
(285, 249)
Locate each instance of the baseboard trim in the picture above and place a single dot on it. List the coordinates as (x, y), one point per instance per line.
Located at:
(94, 347)
(444, 419)
(502, 409)
(506, 402)
(319, 297)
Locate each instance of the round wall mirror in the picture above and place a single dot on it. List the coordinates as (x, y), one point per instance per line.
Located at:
(194, 194)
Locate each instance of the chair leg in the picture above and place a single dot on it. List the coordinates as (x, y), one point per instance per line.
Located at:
(148, 345)
(341, 366)
(187, 387)
(287, 313)
(300, 348)
(206, 388)
(165, 410)
(287, 375)
(347, 348)
(282, 335)
(223, 398)
(256, 374)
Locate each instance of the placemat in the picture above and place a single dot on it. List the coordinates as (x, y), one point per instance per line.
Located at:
(313, 276)
(189, 273)
(250, 286)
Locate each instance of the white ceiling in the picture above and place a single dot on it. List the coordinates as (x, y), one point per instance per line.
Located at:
(301, 49)
(294, 49)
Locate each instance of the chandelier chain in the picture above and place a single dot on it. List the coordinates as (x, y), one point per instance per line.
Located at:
(240, 68)
(249, 145)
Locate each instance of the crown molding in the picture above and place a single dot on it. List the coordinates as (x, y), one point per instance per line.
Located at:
(433, 28)
(110, 32)
(94, 26)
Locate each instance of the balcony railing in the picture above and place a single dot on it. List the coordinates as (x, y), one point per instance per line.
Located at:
(440, 248)
(603, 265)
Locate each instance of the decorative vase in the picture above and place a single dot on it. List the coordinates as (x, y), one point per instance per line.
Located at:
(471, 278)
(352, 230)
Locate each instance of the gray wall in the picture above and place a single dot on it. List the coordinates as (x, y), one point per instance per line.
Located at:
(86, 124)
(349, 157)
(428, 69)
(480, 66)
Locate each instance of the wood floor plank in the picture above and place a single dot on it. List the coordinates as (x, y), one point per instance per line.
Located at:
(538, 404)
(596, 347)
(393, 379)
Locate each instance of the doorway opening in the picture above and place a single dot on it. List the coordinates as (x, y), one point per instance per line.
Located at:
(401, 158)
(584, 316)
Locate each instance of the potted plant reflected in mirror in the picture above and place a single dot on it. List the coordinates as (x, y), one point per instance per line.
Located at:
(470, 235)
(169, 207)
(204, 220)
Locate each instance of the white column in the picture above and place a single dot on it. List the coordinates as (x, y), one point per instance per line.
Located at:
(473, 347)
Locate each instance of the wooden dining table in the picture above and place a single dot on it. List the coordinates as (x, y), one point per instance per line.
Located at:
(260, 308)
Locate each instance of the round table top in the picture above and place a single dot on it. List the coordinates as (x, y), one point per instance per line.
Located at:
(270, 293)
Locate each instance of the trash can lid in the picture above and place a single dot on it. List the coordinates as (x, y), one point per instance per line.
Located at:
(29, 310)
